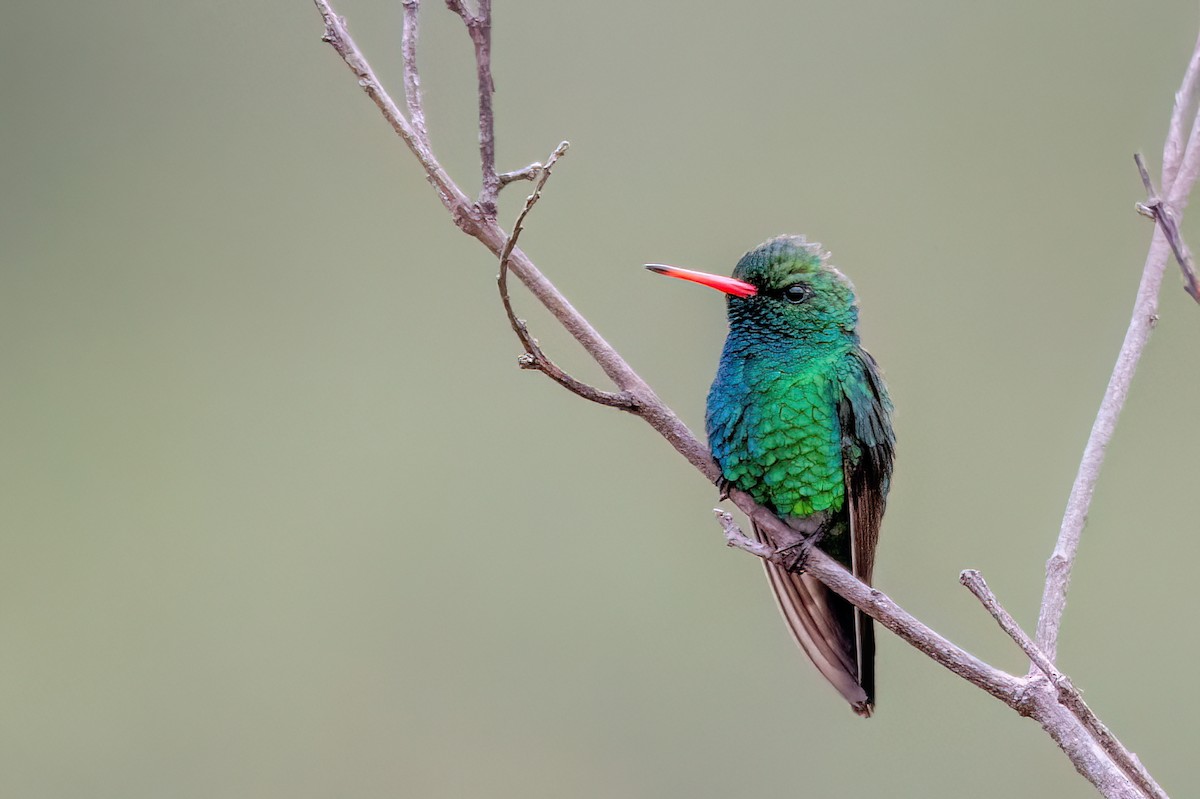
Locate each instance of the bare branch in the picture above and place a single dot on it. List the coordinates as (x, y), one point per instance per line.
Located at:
(1144, 318)
(412, 83)
(467, 216)
(479, 28)
(1068, 694)
(457, 203)
(975, 583)
(1177, 193)
(1185, 105)
(534, 358)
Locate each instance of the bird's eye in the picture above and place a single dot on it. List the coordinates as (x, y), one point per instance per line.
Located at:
(797, 293)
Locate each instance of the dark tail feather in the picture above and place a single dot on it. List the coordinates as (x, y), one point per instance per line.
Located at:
(860, 628)
(866, 655)
(826, 628)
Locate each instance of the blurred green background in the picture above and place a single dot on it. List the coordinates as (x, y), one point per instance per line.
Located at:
(281, 518)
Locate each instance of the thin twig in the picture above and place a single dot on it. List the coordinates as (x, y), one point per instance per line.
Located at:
(337, 36)
(1185, 98)
(534, 358)
(1160, 212)
(1178, 193)
(1068, 694)
(412, 82)
(467, 216)
(479, 28)
(1141, 324)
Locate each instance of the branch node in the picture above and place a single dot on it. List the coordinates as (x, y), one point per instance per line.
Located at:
(1161, 212)
(1023, 701)
(467, 218)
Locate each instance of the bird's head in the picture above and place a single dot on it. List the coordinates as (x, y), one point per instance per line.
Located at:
(783, 288)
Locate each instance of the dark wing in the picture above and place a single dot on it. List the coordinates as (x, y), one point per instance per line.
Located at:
(869, 448)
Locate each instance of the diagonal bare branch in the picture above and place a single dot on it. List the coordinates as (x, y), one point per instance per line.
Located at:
(337, 36)
(874, 603)
(1145, 315)
(1185, 106)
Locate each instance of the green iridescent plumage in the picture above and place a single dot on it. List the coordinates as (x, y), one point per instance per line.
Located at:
(798, 417)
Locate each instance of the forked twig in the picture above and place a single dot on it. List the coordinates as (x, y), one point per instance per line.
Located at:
(1068, 694)
(1158, 210)
(534, 358)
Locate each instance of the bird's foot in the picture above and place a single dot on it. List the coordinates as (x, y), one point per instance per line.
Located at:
(795, 557)
(724, 487)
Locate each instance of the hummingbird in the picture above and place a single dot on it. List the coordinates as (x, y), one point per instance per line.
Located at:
(798, 417)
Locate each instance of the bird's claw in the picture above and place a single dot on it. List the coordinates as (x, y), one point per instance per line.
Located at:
(796, 563)
(797, 560)
(724, 487)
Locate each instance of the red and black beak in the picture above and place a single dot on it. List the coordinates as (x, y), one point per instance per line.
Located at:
(729, 285)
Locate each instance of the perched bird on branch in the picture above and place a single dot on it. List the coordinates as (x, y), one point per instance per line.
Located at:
(799, 418)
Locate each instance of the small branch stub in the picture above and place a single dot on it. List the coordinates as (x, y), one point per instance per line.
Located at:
(531, 172)
(735, 538)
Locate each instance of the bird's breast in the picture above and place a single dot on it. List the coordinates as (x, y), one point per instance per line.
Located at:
(775, 434)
